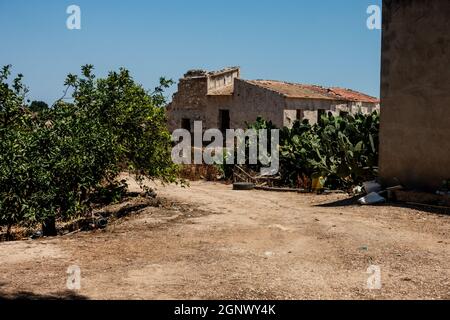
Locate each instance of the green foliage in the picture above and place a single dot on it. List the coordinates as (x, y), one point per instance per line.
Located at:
(53, 162)
(349, 149)
(344, 150)
(260, 124)
(225, 170)
(38, 106)
(135, 118)
(15, 140)
(111, 193)
(299, 148)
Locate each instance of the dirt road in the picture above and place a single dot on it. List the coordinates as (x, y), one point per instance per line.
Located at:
(215, 243)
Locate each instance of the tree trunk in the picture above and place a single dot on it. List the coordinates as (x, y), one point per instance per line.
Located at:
(49, 227)
(8, 233)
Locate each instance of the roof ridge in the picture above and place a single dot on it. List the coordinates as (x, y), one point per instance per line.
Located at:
(311, 90)
(355, 92)
(292, 83)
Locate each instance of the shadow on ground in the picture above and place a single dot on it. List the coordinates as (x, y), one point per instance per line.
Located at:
(24, 295)
(354, 202)
(341, 203)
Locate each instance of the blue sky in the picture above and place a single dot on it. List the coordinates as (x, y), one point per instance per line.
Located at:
(322, 42)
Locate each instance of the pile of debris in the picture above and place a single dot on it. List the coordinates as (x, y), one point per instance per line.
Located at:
(376, 194)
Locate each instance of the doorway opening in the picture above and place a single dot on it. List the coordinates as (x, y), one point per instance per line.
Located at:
(224, 120)
(186, 124)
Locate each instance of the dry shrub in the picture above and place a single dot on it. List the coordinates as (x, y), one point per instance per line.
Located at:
(195, 172)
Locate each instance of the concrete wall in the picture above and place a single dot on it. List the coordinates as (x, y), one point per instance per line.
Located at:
(415, 93)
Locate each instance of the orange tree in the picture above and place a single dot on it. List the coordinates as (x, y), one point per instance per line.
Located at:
(52, 162)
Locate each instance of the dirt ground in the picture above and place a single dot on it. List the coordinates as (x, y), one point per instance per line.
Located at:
(209, 242)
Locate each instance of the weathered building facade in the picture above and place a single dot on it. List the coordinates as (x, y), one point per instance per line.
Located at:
(223, 100)
(415, 93)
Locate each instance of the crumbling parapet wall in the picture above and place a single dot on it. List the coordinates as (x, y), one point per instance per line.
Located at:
(194, 99)
(415, 93)
(223, 78)
(188, 102)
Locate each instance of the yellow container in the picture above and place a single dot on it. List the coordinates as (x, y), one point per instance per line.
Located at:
(318, 183)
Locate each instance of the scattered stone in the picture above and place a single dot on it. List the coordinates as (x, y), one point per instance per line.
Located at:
(406, 279)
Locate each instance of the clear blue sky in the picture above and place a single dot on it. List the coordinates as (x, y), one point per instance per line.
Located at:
(322, 42)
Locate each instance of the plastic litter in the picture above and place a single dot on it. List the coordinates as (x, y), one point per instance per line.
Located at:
(371, 198)
(37, 235)
(358, 190)
(372, 186)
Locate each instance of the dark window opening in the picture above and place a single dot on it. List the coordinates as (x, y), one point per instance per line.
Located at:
(299, 115)
(186, 124)
(224, 120)
(343, 114)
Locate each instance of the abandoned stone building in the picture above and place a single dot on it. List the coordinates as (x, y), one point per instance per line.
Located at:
(223, 100)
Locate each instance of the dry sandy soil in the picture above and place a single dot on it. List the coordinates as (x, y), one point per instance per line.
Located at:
(209, 242)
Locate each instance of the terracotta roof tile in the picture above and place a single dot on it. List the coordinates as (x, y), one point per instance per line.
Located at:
(304, 91)
(293, 90)
(352, 95)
